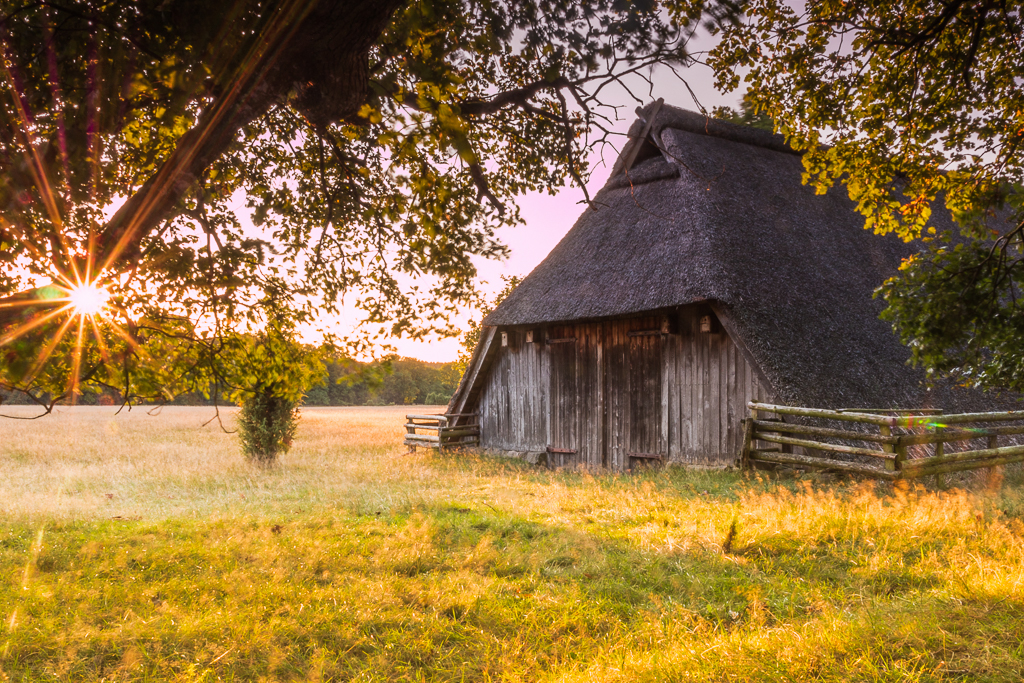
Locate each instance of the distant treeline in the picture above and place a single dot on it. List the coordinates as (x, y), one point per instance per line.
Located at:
(393, 381)
(397, 381)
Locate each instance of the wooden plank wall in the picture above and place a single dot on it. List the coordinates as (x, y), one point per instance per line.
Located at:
(712, 383)
(607, 389)
(514, 403)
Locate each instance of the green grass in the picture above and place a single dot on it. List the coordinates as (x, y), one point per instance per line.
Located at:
(353, 561)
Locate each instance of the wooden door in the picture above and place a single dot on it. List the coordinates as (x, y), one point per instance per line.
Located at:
(647, 412)
(564, 441)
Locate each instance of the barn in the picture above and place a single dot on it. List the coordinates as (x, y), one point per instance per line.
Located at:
(702, 276)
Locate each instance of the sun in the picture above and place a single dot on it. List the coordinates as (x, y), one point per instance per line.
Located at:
(88, 299)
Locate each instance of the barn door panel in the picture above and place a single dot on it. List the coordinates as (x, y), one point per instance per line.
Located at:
(646, 429)
(616, 423)
(564, 441)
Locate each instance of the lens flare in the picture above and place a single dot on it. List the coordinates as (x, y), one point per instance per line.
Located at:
(88, 299)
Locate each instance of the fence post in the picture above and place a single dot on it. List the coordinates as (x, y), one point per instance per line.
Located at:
(748, 440)
(744, 454)
(940, 449)
(994, 475)
(442, 428)
(890, 465)
(901, 455)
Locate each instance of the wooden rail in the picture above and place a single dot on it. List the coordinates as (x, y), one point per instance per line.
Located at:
(896, 444)
(442, 433)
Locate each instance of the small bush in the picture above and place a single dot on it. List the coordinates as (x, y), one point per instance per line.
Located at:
(266, 426)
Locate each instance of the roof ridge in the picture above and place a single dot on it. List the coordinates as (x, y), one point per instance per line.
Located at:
(667, 116)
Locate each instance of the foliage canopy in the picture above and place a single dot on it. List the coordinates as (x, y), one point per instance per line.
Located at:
(136, 138)
(909, 104)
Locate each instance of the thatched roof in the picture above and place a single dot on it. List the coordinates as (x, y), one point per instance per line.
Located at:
(715, 212)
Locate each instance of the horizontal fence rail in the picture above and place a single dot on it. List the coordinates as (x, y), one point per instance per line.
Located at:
(448, 430)
(886, 444)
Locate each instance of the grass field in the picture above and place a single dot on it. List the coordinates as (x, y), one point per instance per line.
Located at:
(143, 548)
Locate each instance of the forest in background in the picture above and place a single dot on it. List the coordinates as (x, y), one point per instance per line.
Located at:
(391, 381)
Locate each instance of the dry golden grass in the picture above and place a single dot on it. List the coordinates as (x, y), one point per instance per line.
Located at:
(351, 560)
(88, 462)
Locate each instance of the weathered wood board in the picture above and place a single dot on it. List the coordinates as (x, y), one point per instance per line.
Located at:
(646, 385)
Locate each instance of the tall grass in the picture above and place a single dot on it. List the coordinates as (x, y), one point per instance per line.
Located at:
(143, 548)
(93, 463)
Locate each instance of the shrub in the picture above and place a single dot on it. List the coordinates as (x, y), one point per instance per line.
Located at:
(266, 426)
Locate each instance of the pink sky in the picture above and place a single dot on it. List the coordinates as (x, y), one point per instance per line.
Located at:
(547, 218)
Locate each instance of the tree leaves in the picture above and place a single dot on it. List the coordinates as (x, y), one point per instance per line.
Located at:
(910, 104)
(365, 167)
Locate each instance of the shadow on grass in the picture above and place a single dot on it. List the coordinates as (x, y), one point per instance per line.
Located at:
(463, 591)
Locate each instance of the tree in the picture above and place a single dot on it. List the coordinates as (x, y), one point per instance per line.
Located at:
(371, 141)
(471, 337)
(910, 103)
(746, 116)
(270, 396)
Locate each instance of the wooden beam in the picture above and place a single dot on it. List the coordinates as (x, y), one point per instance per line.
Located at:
(452, 432)
(962, 466)
(823, 463)
(902, 411)
(639, 140)
(828, 414)
(952, 435)
(995, 453)
(469, 386)
(774, 426)
(822, 446)
(981, 417)
(441, 419)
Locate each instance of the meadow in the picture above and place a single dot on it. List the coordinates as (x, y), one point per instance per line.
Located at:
(142, 547)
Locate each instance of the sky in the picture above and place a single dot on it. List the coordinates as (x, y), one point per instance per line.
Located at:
(548, 218)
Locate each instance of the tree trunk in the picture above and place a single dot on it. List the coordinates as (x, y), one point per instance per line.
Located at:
(317, 51)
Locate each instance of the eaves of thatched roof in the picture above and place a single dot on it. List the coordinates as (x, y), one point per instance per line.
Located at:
(715, 212)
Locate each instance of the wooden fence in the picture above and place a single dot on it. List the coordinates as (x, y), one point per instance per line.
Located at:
(441, 431)
(887, 444)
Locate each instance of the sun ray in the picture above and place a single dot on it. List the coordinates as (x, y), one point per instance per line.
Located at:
(88, 299)
(32, 324)
(100, 342)
(261, 57)
(76, 362)
(45, 354)
(87, 320)
(29, 302)
(40, 177)
(37, 254)
(135, 346)
(37, 168)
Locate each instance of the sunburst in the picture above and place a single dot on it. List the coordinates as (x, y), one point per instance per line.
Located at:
(80, 303)
(89, 299)
(86, 306)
